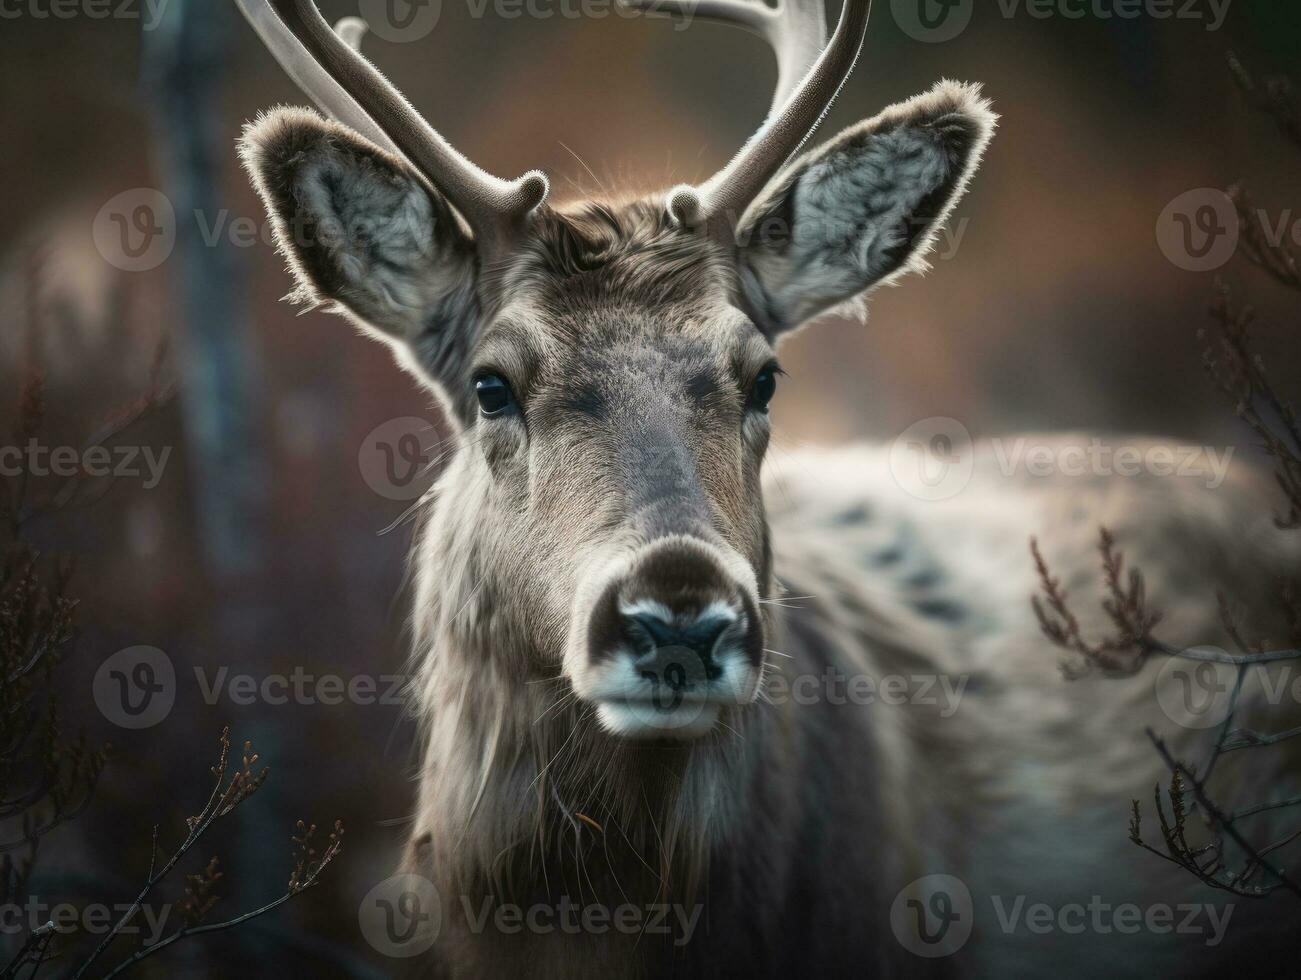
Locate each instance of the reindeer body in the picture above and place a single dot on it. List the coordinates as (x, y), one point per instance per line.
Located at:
(810, 817)
(608, 604)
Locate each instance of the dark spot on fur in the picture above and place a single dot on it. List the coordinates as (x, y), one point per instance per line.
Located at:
(700, 385)
(927, 578)
(585, 399)
(943, 610)
(858, 514)
(888, 556)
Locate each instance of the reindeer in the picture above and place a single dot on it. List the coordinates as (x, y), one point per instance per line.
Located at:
(606, 600)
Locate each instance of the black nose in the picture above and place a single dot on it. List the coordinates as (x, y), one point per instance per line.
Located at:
(680, 655)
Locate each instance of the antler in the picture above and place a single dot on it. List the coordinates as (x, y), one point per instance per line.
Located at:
(796, 32)
(331, 70)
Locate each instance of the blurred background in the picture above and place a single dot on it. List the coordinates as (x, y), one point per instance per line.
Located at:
(271, 538)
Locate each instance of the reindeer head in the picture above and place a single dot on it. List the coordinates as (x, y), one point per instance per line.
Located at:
(609, 364)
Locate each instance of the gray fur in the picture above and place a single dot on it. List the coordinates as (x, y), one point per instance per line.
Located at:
(632, 347)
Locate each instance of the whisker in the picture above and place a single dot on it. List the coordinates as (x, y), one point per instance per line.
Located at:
(583, 164)
(563, 700)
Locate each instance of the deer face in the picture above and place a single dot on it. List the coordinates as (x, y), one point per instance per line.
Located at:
(628, 439)
(611, 368)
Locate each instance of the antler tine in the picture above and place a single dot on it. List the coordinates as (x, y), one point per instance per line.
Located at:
(796, 31)
(352, 30)
(304, 72)
(718, 204)
(344, 84)
(799, 35)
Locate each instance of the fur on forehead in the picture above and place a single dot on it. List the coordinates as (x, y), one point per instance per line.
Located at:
(529, 333)
(629, 254)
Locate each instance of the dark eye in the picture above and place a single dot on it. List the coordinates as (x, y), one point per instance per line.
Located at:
(494, 394)
(765, 386)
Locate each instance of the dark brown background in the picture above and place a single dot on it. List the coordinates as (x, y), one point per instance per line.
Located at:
(1057, 310)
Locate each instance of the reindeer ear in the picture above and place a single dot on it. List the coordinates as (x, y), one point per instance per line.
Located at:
(365, 237)
(863, 209)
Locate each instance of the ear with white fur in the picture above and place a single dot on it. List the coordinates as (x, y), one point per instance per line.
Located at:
(366, 238)
(863, 209)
